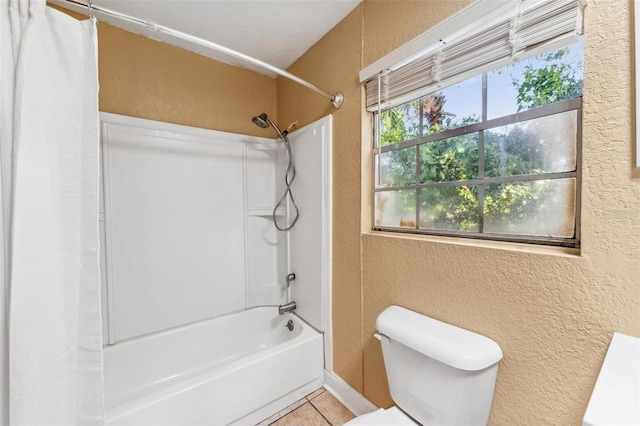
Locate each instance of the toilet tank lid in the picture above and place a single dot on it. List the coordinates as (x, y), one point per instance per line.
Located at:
(444, 342)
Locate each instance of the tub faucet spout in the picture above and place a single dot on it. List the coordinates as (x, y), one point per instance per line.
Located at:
(289, 307)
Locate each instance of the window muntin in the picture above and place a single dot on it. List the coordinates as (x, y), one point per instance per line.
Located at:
(509, 177)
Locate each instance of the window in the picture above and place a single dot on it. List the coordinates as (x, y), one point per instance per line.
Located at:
(494, 156)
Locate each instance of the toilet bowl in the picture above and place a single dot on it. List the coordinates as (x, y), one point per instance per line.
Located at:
(438, 374)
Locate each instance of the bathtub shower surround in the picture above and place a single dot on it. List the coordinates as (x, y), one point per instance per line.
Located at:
(180, 244)
(310, 239)
(192, 254)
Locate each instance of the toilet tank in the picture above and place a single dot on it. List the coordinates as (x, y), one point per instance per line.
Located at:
(438, 373)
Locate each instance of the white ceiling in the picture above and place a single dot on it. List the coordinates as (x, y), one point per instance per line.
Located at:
(274, 31)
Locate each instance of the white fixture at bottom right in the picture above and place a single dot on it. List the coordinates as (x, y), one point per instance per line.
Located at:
(616, 396)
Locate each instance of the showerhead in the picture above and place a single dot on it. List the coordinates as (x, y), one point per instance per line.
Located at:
(261, 121)
(264, 121)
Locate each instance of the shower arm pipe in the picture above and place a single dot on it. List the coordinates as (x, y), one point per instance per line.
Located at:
(337, 99)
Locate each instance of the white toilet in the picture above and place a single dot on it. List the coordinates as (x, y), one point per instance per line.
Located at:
(438, 374)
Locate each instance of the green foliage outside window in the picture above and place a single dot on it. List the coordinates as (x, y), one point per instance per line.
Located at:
(515, 150)
(554, 82)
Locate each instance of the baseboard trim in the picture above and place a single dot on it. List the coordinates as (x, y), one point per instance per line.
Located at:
(351, 398)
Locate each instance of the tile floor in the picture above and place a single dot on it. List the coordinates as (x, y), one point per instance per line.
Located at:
(319, 408)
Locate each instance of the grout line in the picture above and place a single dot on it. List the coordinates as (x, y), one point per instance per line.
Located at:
(296, 405)
(334, 403)
(320, 412)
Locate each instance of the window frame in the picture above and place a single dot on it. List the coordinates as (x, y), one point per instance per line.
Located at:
(574, 104)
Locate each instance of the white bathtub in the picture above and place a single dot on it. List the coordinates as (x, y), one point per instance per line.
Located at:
(235, 369)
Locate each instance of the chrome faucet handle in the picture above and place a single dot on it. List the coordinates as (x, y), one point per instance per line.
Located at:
(290, 278)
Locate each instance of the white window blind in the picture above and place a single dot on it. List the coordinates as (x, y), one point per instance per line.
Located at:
(525, 31)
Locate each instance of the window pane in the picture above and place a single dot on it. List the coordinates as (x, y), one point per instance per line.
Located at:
(449, 159)
(400, 123)
(396, 208)
(537, 208)
(543, 145)
(544, 79)
(454, 106)
(449, 208)
(396, 168)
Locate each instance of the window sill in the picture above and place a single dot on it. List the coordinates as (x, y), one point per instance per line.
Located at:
(478, 243)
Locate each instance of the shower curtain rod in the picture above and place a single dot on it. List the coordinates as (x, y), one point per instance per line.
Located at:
(336, 99)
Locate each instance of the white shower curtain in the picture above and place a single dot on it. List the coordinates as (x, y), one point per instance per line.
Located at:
(50, 330)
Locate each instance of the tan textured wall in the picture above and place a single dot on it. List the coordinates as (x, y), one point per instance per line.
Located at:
(144, 78)
(333, 65)
(553, 314)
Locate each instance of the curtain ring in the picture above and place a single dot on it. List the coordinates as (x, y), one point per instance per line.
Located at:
(92, 17)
